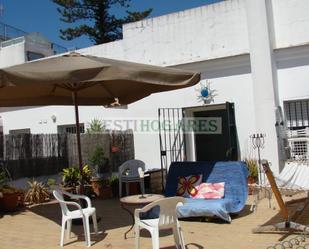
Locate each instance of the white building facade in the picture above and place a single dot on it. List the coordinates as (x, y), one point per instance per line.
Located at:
(255, 53)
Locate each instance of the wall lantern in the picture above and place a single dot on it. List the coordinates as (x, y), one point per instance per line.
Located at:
(53, 118)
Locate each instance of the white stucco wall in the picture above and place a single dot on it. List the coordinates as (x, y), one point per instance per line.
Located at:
(291, 22)
(293, 83)
(208, 32)
(12, 55)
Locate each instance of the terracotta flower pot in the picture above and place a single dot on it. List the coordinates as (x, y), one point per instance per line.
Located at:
(250, 180)
(106, 192)
(96, 185)
(9, 202)
(115, 149)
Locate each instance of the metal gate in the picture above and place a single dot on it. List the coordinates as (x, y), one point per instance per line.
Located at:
(172, 142)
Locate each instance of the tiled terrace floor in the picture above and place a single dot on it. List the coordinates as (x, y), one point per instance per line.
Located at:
(38, 227)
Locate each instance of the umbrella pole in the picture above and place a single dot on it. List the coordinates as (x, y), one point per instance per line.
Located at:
(79, 150)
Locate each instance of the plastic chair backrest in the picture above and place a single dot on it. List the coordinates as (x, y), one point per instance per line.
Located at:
(59, 197)
(168, 207)
(132, 167)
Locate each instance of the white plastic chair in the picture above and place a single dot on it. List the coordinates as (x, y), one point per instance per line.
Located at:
(167, 220)
(79, 213)
(129, 172)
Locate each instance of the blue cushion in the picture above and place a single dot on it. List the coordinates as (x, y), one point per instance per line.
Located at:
(233, 173)
(201, 207)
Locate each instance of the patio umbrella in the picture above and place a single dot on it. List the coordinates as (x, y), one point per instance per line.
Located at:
(75, 79)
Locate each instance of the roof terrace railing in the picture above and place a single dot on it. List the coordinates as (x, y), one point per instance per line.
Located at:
(12, 41)
(8, 32)
(10, 35)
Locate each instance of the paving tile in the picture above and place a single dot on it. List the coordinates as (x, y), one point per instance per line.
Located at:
(38, 227)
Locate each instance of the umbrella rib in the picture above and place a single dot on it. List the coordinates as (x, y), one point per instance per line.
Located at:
(88, 85)
(116, 98)
(108, 91)
(54, 89)
(71, 87)
(63, 86)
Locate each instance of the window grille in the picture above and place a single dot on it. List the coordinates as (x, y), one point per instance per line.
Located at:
(297, 114)
(20, 131)
(70, 128)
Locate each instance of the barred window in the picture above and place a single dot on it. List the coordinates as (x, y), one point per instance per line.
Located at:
(297, 123)
(297, 114)
(20, 131)
(71, 128)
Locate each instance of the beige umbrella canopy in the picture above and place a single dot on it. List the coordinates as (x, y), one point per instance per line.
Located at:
(75, 79)
(98, 81)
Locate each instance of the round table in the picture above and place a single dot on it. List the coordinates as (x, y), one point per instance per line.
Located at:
(137, 201)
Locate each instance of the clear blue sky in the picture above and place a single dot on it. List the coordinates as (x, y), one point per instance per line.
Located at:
(42, 16)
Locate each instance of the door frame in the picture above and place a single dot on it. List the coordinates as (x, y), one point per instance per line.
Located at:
(188, 112)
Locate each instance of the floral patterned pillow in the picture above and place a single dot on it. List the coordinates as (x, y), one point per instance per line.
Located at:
(187, 185)
(210, 190)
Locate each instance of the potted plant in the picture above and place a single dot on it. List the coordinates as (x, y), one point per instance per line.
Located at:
(10, 198)
(106, 189)
(70, 179)
(252, 165)
(37, 193)
(51, 183)
(98, 161)
(114, 183)
(3, 178)
(101, 187)
(115, 149)
(86, 175)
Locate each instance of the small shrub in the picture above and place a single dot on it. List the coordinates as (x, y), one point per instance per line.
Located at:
(87, 173)
(98, 160)
(70, 177)
(6, 189)
(105, 183)
(37, 192)
(114, 183)
(3, 178)
(51, 182)
(252, 165)
(96, 126)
